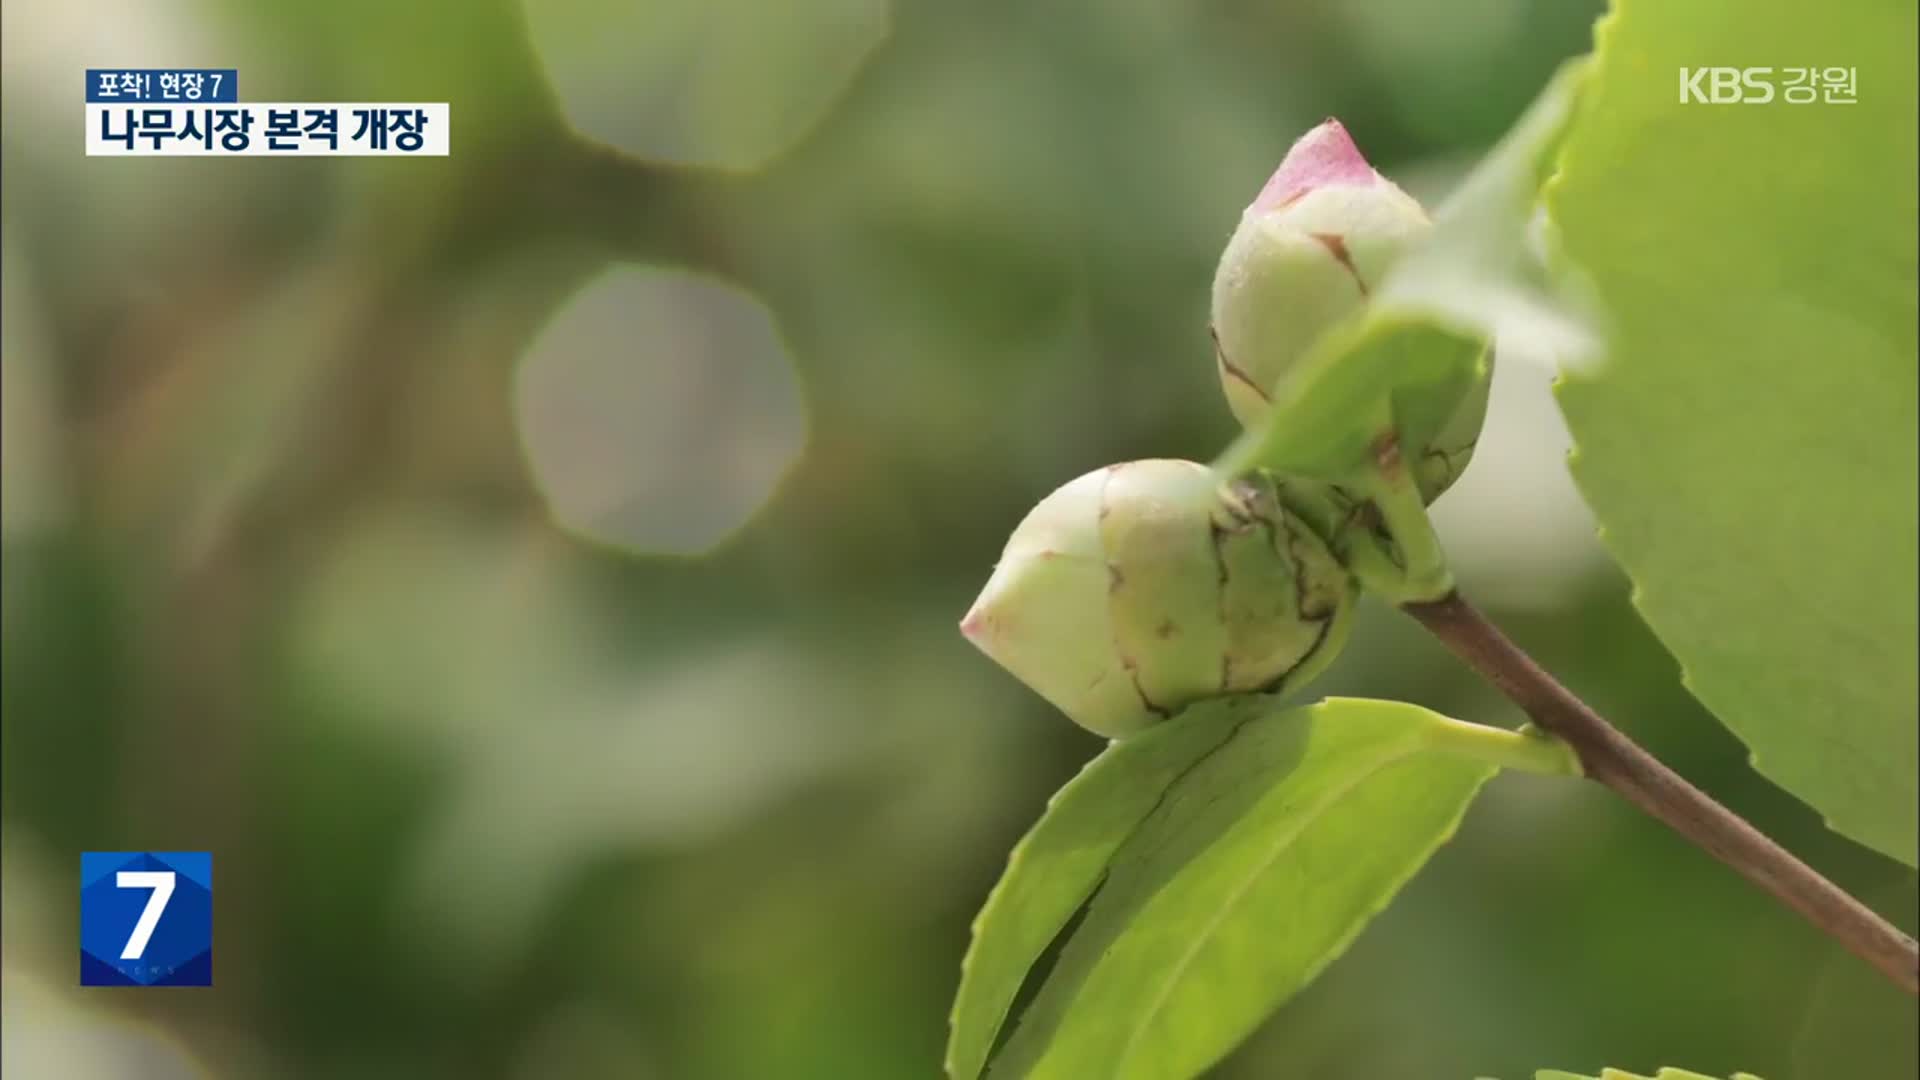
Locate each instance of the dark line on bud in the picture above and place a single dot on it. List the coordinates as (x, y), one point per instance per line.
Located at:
(1279, 682)
(1133, 676)
(1227, 366)
(1453, 462)
(1288, 550)
(1218, 536)
(1337, 247)
(1115, 581)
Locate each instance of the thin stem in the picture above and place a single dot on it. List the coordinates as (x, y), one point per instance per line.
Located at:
(1406, 564)
(1524, 751)
(1389, 486)
(1610, 758)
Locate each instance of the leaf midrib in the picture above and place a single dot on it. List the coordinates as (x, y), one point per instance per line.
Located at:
(1020, 850)
(1174, 974)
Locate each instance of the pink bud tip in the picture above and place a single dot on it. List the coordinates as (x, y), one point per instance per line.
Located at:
(1323, 157)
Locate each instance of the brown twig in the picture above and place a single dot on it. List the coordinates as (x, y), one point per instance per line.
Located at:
(1610, 758)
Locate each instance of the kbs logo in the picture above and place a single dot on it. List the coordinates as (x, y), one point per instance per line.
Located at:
(146, 918)
(1726, 86)
(1759, 85)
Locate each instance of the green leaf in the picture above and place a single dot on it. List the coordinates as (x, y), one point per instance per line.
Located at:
(1258, 846)
(1326, 414)
(1485, 270)
(1619, 1075)
(1419, 346)
(1058, 865)
(1749, 445)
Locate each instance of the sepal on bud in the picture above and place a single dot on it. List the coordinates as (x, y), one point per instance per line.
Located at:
(1449, 452)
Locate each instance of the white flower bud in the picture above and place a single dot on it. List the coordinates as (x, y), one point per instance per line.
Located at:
(1140, 588)
(1309, 252)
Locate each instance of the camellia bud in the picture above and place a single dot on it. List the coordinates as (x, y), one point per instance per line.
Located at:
(1312, 247)
(1138, 589)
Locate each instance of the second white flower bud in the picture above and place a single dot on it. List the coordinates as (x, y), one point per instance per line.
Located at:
(1309, 252)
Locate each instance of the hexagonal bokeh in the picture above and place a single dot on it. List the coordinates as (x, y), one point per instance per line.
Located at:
(52, 1031)
(658, 410)
(727, 83)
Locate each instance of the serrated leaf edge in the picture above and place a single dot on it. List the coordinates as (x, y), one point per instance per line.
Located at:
(1588, 101)
(1665, 1073)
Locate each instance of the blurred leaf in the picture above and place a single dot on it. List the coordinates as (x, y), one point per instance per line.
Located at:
(1414, 52)
(1254, 870)
(585, 1041)
(374, 51)
(485, 651)
(1486, 267)
(1419, 344)
(224, 430)
(1749, 446)
(65, 709)
(728, 83)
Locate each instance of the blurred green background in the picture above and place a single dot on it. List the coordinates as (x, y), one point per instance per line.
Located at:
(533, 572)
